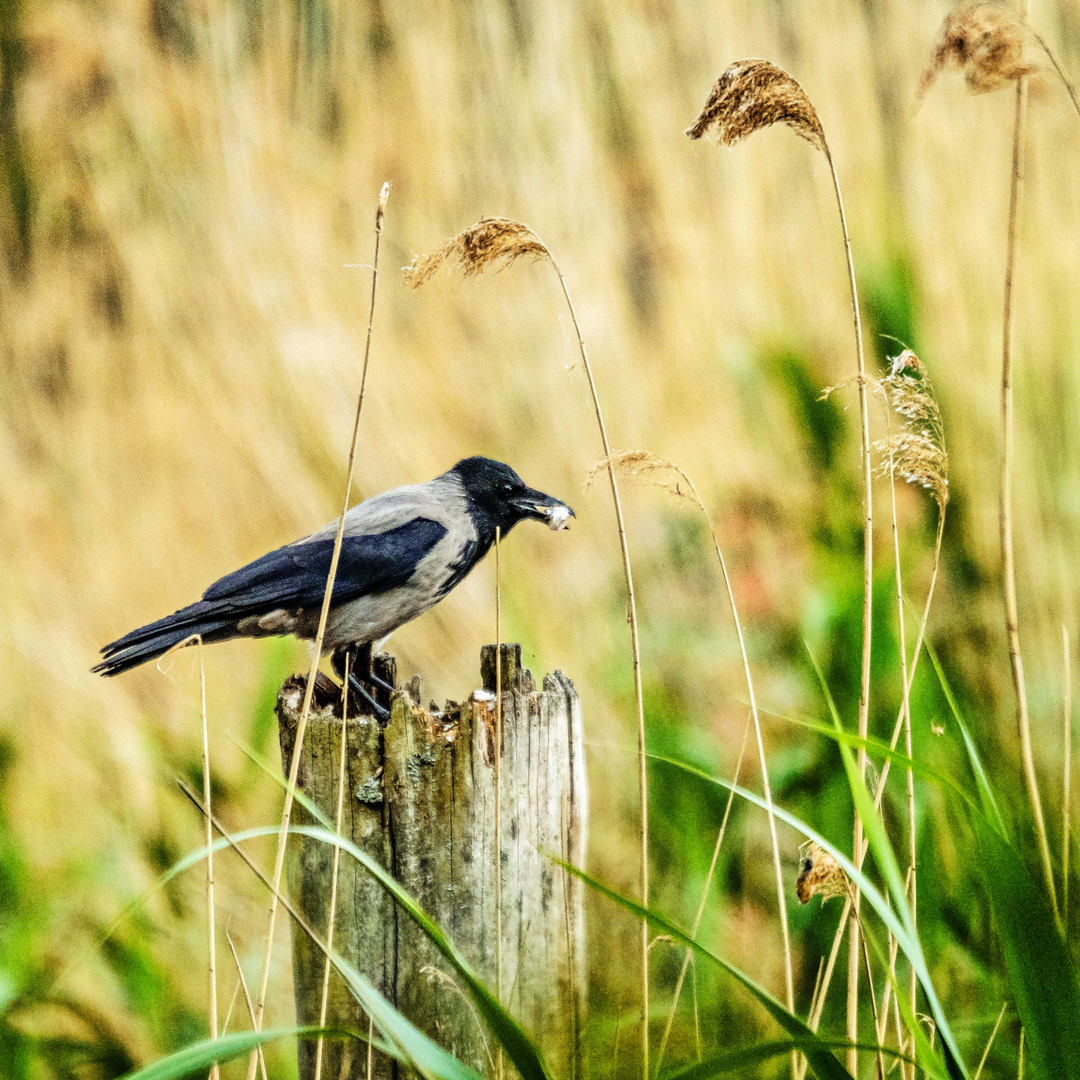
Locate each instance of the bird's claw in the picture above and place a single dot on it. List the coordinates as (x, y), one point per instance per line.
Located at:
(365, 695)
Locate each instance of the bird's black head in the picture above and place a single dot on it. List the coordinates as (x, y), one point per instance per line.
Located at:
(498, 497)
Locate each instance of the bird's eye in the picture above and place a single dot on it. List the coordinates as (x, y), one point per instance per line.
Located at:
(808, 865)
(508, 488)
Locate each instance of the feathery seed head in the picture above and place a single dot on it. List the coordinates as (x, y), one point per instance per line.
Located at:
(755, 94)
(488, 241)
(647, 468)
(916, 452)
(985, 42)
(820, 874)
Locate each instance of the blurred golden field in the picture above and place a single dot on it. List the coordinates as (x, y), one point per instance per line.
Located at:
(189, 192)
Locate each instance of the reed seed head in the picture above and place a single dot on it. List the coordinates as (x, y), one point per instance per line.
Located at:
(491, 240)
(650, 469)
(820, 874)
(916, 452)
(755, 94)
(985, 42)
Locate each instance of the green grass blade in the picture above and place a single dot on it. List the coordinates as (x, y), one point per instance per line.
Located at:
(909, 946)
(822, 1061)
(201, 1055)
(879, 746)
(885, 858)
(986, 792)
(737, 1061)
(1041, 973)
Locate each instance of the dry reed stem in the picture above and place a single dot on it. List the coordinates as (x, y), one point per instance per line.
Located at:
(498, 788)
(242, 985)
(1066, 81)
(1066, 796)
(215, 1071)
(488, 241)
(337, 860)
(658, 471)
(910, 393)
(990, 1042)
(704, 897)
(301, 727)
(1008, 553)
(229, 1010)
(748, 96)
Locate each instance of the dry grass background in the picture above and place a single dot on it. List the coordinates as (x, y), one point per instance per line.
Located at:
(181, 335)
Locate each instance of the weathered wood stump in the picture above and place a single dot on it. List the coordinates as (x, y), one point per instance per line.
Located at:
(420, 799)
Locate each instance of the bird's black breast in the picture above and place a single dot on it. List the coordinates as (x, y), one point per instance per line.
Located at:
(295, 575)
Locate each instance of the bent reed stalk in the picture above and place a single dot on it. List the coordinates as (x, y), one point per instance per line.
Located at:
(658, 471)
(301, 727)
(986, 42)
(748, 96)
(499, 240)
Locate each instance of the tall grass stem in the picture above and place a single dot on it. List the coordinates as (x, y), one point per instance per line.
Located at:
(643, 783)
(498, 787)
(324, 1001)
(868, 599)
(1066, 794)
(701, 903)
(215, 1071)
(301, 727)
(1008, 554)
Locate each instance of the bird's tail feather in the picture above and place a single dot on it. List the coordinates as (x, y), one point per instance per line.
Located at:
(157, 638)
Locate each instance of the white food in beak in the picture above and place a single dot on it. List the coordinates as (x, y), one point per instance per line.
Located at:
(558, 516)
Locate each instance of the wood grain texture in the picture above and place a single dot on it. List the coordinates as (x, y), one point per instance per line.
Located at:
(420, 798)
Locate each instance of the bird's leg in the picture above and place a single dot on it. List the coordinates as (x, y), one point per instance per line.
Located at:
(363, 658)
(364, 663)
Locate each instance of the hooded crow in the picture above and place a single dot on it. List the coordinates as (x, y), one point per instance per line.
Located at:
(402, 552)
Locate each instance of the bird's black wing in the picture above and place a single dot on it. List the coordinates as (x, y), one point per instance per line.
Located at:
(292, 577)
(295, 576)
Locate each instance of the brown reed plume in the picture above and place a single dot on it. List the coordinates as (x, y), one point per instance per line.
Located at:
(659, 472)
(748, 96)
(819, 874)
(987, 43)
(494, 240)
(316, 652)
(992, 58)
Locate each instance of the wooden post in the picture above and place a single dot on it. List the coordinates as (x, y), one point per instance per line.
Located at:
(420, 798)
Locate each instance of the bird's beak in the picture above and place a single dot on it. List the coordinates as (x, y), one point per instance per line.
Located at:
(535, 504)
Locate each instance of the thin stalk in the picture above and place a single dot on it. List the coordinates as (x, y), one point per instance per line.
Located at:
(905, 705)
(990, 1041)
(636, 653)
(701, 903)
(1069, 88)
(215, 1071)
(301, 727)
(498, 788)
(1066, 797)
(874, 1007)
(1020, 1064)
(1008, 555)
(229, 1011)
(337, 861)
(868, 599)
(242, 984)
